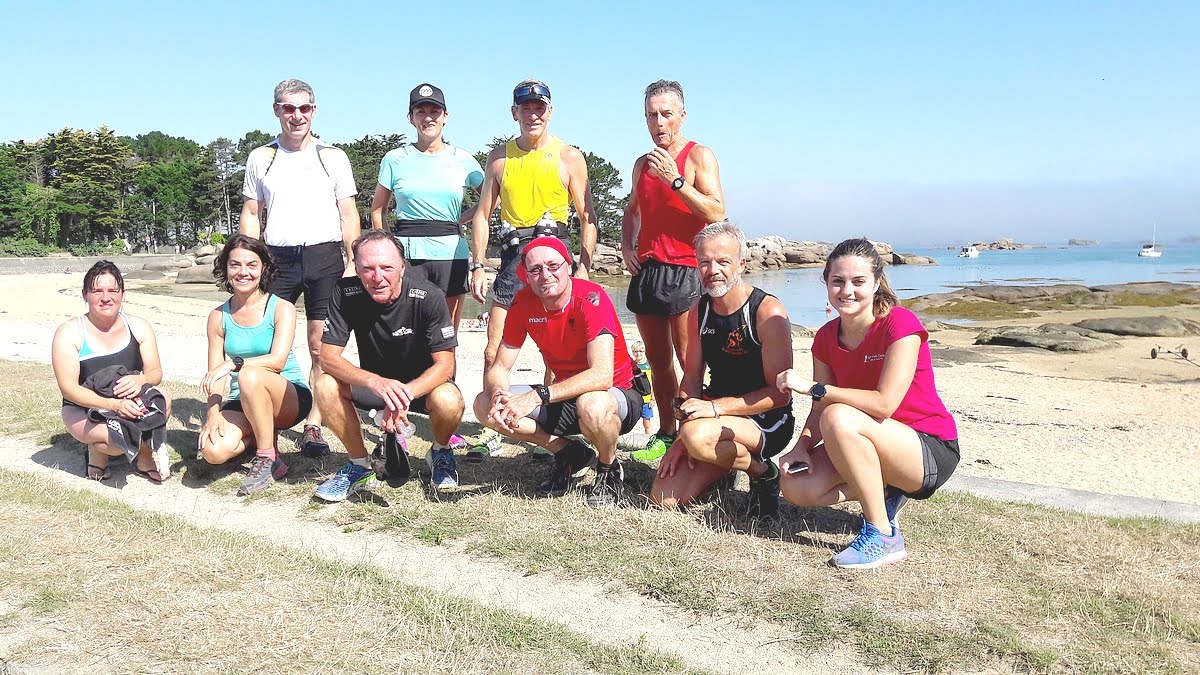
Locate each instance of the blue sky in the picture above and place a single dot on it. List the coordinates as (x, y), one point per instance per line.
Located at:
(907, 122)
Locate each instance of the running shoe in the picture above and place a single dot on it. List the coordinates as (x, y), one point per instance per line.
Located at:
(893, 501)
(764, 493)
(445, 472)
(610, 481)
(263, 472)
(311, 442)
(349, 479)
(541, 455)
(389, 460)
(871, 549)
(655, 448)
(487, 444)
(570, 464)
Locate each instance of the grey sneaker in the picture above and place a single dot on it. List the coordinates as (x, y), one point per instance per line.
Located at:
(570, 464)
(610, 481)
(262, 474)
(311, 442)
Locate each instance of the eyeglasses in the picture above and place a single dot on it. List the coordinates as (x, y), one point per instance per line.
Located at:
(527, 90)
(290, 109)
(548, 268)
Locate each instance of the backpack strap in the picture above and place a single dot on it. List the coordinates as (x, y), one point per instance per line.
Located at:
(273, 149)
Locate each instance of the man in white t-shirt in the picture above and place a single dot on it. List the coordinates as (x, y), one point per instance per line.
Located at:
(300, 200)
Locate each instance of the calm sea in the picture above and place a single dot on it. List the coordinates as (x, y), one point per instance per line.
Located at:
(803, 293)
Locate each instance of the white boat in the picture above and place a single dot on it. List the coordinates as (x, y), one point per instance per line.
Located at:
(1151, 250)
(968, 252)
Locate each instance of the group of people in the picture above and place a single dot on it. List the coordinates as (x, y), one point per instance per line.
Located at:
(877, 432)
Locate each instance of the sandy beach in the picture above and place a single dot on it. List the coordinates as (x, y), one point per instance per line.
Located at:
(1114, 422)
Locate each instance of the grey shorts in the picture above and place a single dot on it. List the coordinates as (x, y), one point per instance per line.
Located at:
(940, 459)
(562, 418)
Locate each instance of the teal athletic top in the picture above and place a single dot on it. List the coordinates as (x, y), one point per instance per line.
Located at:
(430, 188)
(248, 341)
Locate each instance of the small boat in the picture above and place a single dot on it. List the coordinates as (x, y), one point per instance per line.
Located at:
(1151, 250)
(968, 252)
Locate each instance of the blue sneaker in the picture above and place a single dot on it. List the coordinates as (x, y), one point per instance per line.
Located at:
(870, 549)
(445, 472)
(349, 479)
(893, 501)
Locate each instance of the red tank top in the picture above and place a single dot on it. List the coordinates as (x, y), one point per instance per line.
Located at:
(668, 225)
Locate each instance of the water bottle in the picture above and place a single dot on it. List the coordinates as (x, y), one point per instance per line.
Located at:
(509, 238)
(406, 429)
(545, 227)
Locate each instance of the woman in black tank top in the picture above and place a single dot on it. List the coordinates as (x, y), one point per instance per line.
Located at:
(104, 336)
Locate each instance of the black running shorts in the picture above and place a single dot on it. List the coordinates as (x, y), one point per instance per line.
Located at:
(663, 289)
(448, 275)
(311, 270)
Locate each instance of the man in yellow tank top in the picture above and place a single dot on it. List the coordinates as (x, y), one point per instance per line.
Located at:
(535, 176)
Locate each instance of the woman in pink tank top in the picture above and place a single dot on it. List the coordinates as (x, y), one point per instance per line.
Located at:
(878, 433)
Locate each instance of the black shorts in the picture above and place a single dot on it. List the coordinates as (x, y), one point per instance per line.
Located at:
(311, 270)
(506, 285)
(663, 289)
(448, 275)
(365, 399)
(304, 400)
(940, 458)
(562, 418)
(777, 427)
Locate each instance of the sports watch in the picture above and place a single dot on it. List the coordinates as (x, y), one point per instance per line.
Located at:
(543, 392)
(817, 392)
(237, 363)
(677, 184)
(476, 266)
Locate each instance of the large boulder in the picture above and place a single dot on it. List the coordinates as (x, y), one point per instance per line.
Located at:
(144, 275)
(911, 259)
(1013, 294)
(1143, 326)
(195, 275)
(1051, 337)
(205, 259)
(801, 256)
(177, 262)
(207, 249)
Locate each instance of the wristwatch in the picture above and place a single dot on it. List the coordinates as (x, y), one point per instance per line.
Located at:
(475, 266)
(237, 363)
(543, 392)
(817, 392)
(677, 184)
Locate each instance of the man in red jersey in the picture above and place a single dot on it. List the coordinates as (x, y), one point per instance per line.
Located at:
(677, 191)
(597, 390)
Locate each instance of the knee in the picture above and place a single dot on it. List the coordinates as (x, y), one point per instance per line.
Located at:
(661, 498)
(327, 392)
(839, 419)
(314, 352)
(596, 410)
(481, 407)
(799, 490)
(446, 401)
(251, 378)
(700, 436)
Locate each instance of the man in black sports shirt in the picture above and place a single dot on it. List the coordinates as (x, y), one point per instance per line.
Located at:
(406, 343)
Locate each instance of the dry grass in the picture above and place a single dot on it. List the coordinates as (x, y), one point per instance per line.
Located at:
(89, 584)
(988, 585)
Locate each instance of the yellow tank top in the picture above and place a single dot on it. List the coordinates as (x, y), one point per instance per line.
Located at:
(531, 185)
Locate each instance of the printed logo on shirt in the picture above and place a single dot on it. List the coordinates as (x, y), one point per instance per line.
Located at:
(352, 290)
(593, 298)
(537, 319)
(708, 331)
(872, 357)
(402, 331)
(733, 343)
(416, 293)
(447, 332)
(325, 329)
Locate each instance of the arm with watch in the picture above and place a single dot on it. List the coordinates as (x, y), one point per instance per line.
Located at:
(702, 191)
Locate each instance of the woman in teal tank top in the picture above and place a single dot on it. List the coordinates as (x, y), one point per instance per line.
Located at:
(250, 342)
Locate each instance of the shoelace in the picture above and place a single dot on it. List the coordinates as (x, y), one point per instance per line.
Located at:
(443, 461)
(259, 466)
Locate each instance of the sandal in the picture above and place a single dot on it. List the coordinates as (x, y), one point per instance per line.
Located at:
(104, 474)
(151, 475)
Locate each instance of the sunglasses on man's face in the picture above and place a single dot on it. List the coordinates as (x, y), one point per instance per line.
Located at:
(289, 109)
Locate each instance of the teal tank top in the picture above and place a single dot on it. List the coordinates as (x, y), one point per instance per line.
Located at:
(248, 341)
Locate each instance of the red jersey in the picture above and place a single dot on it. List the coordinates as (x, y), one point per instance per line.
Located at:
(922, 409)
(668, 226)
(563, 335)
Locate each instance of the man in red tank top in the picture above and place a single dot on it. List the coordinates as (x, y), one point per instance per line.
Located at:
(677, 191)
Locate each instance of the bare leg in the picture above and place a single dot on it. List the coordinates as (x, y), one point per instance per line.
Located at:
(599, 423)
(656, 334)
(495, 331)
(266, 398)
(446, 406)
(333, 398)
(455, 305)
(527, 430)
(314, 331)
(718, 446)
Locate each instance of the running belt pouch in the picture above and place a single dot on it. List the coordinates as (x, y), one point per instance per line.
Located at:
(641, 383)
(424, 228)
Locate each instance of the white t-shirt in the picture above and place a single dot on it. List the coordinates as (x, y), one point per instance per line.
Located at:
(297, 198)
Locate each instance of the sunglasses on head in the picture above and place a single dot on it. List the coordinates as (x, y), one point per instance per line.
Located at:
(530, 90)
(289, 109)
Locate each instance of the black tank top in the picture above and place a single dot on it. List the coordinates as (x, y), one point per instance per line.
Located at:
(91, 363)
(731, 347)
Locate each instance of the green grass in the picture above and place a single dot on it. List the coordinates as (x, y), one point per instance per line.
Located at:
(989, 585)
(161, 594)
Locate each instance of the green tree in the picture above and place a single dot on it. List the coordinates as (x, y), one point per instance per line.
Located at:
(365, 155)
(156, 147)
(12, 193)
(225, 193)
(605, 183)
(87, 170)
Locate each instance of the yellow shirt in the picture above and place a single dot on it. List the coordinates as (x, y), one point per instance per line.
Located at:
(531, 185)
